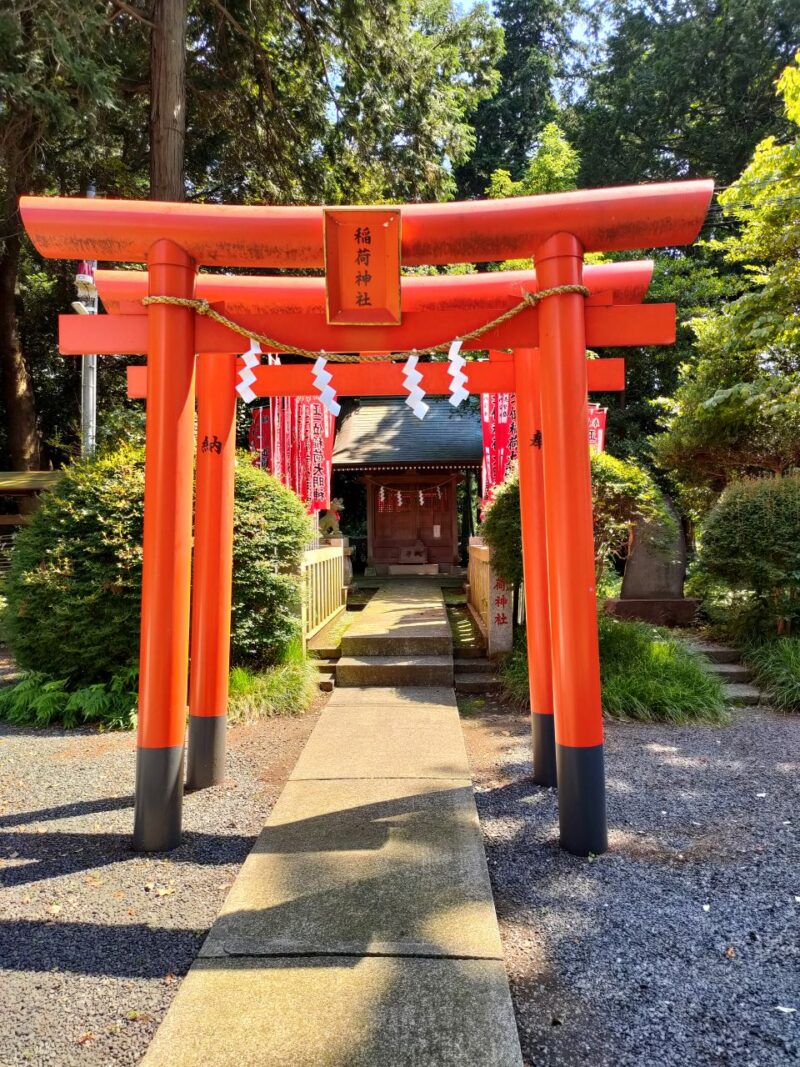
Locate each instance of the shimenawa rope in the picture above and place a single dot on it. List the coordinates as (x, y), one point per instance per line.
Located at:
(203, 307)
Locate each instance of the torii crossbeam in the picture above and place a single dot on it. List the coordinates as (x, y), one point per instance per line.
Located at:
(554, 230)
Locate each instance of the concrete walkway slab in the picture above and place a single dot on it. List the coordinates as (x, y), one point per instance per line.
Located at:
(392, 696)
(361, 930)
(405, 618)
(345, 1012)
(387, 867)
(388, 741)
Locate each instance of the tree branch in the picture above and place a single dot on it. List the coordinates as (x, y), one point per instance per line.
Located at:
(121, 5)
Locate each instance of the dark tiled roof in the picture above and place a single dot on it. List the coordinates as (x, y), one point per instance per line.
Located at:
(384, 430)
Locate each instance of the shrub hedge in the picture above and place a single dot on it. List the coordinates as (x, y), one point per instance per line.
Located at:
(75, 579)
(622, 493)
(751, 540)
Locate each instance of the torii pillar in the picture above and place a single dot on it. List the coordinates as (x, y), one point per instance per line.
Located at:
(166, 554)
(570, 551)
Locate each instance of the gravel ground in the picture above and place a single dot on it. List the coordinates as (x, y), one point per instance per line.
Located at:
(678, 946)
(93, 938)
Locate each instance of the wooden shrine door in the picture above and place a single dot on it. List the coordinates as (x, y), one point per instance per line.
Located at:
(404, 509)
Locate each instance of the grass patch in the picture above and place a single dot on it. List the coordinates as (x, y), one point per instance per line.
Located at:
(777, 669)
(463, 628)
(453, 596)
(470, 705)
(647, 675)
(287, 689)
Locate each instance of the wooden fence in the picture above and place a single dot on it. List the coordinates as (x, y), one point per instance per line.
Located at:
(478, 577)
(323, 579)
(490, 600)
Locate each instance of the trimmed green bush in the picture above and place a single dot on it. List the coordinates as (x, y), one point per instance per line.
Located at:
(751, 540)
(777, 669)
(502, 531)
(647, 674)
(622, 494)
(74, 585)
(271, 529)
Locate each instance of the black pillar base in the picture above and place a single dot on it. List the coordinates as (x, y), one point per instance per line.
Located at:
(205, 761)
(582, 799)
(544, 750)
(158, 804)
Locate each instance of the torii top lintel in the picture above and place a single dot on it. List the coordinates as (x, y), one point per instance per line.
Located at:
(617, 219)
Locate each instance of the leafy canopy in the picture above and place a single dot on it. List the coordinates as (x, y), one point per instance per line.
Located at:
(737, 410)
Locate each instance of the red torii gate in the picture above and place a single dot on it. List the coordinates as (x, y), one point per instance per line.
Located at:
(555, 230)
(122, 293)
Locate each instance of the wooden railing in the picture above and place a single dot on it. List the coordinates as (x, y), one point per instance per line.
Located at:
(490, 600)
(478, 577)
(324, 593)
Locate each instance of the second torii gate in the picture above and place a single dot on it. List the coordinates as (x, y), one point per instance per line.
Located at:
(624, 284)
(555, 230)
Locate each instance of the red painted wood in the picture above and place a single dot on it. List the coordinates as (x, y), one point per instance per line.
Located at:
(122, 231)
(385, 379)
(606, 327)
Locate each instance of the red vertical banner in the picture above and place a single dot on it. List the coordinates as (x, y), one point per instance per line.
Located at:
(258, 437)
(499, 426)
(293, 437)
(597, 427)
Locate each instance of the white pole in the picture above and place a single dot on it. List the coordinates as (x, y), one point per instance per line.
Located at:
(89, 367)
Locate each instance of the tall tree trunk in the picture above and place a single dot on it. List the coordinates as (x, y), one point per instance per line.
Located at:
(24, 443)
(167, 99)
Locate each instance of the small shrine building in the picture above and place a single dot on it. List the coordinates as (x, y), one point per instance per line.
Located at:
(411, 471)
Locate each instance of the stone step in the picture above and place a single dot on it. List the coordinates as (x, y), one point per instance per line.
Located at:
(394, 670)
(477, 652)
(731, 672)
(396, 643)
(716, 653)
(477, 683)
(325, 653)
(741, 694)
(472, 666)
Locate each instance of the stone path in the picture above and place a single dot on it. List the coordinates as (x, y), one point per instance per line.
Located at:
(361, 931)
(402, 637)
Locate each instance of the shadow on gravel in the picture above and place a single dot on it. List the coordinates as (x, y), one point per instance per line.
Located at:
(53, 855)
(132, 951)
(67, 811)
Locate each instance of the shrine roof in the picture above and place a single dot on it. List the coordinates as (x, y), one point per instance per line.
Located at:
(383, 431)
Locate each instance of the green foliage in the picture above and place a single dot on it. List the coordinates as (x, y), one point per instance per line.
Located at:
(647, 674)
(751, 540)
(75, 577)
(553, 168)
(650, 675)
(41, 700)
(622, 494)
(502, 531)
(270, 531)
(74, 586)
(777, 669)
(539, 47)
(286, 689)
(682, 89)
(737, 410)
